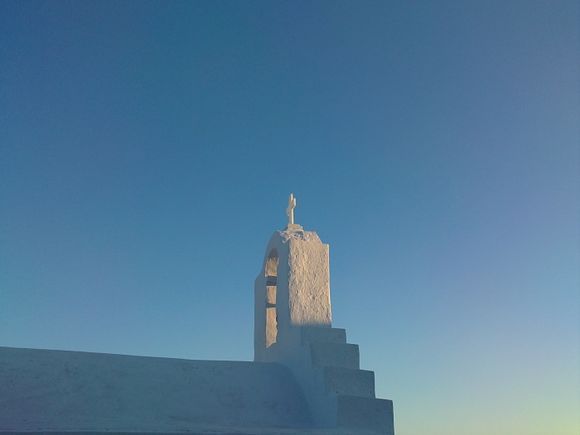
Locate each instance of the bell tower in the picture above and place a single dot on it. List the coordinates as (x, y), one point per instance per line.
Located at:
(292, 290)
(293, 326)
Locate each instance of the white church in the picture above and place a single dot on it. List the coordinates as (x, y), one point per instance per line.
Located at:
(305, 377)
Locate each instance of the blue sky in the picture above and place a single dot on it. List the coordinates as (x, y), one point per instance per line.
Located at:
(147, 150)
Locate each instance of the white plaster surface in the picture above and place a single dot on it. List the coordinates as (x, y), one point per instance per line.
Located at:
(309, 282)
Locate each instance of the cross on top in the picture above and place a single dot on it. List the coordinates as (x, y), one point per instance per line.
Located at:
(290, 209)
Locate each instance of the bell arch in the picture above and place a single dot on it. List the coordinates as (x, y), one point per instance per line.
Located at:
(271, 309)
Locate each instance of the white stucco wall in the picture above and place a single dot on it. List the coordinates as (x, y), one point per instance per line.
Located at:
(309, 280)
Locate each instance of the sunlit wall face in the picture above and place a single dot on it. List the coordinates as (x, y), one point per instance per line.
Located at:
(147, 151)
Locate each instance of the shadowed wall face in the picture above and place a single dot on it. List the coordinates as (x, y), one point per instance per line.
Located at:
(59, 391)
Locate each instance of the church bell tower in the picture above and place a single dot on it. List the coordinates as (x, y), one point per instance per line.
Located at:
(292, 290)
(293, 326)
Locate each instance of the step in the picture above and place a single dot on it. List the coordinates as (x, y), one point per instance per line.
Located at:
(335, 355)
(313, 334)
(350, 382)
(374, 415)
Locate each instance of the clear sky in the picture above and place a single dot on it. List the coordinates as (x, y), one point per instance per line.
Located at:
(147, 151)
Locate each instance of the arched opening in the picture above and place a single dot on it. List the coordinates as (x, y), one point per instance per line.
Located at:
(271, 272)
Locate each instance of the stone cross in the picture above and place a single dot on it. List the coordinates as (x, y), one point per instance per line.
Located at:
(290, 209)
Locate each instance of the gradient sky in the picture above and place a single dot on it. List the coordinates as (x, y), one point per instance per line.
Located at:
(147, 150)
